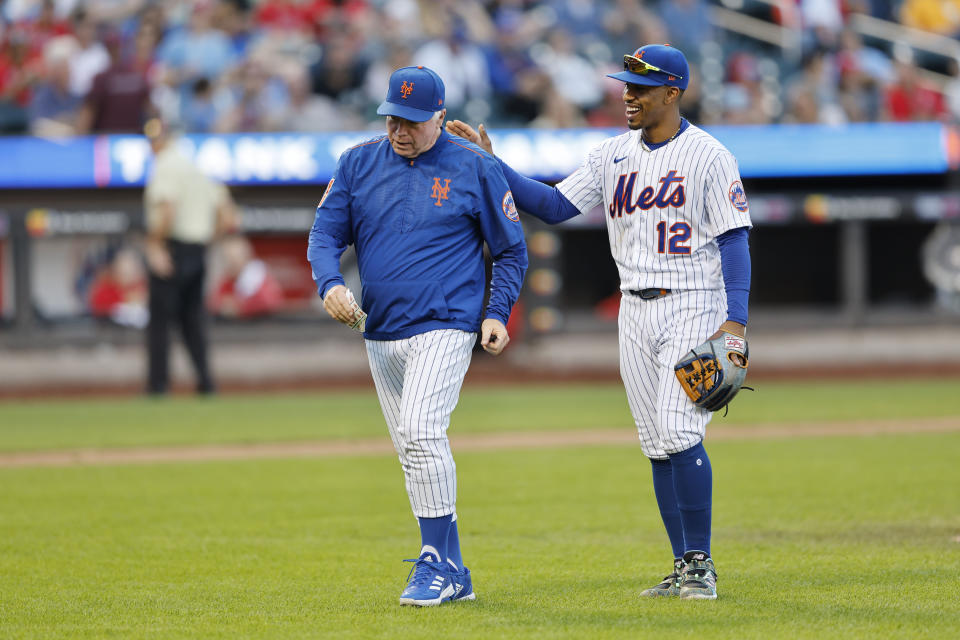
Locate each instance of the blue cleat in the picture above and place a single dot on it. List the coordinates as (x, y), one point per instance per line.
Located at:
(462, 585)
(429, 583)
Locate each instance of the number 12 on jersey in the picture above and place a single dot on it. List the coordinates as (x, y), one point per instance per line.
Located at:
(679, 236)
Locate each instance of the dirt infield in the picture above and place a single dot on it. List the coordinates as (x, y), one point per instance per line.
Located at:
(474, 442)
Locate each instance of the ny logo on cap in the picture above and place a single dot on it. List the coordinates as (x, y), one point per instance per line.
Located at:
(406, 89)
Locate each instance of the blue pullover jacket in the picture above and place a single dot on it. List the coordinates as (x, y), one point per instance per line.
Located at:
(418, 226)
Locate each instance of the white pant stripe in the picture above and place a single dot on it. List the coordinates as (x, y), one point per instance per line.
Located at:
(418, 381)
(654, 335)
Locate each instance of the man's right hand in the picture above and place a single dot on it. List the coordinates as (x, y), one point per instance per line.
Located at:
(158, 258)
(342, 306)
(462, 129)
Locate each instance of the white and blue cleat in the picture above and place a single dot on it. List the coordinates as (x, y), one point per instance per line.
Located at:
(462, 585)
(429, 583)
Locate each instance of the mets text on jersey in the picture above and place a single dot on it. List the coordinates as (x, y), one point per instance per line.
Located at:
(649, 197)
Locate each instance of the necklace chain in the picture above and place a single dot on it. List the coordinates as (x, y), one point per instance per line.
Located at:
(675, 134)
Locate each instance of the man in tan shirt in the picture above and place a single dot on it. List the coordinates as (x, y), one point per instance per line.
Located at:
(185, 211)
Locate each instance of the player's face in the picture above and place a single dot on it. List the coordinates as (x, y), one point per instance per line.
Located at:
(409, 139)
(645, 105)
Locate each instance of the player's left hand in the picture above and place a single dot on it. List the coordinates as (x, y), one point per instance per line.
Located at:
(712, 373)
(493, 336)
(736, 329)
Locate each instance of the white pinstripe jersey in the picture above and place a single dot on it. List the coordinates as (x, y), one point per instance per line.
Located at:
(664, 207)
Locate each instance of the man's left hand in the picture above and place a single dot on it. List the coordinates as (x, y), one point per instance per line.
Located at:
(736, 329)
(493, 336)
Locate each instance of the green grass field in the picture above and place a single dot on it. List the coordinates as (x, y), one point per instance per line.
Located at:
(38, 425)
(813, 537)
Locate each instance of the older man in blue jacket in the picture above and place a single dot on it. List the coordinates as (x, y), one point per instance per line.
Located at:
(418, 204)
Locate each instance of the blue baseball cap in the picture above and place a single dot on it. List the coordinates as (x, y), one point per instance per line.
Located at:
(415, 93)
(655, 65)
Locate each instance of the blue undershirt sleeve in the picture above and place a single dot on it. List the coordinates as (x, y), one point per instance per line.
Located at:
(735, 263)
(509, 267)
(538, 199)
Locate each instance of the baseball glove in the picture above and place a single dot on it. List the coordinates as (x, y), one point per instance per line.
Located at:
(712, 373)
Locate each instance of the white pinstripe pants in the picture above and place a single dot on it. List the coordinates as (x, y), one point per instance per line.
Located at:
(418, 382)
(654, 335)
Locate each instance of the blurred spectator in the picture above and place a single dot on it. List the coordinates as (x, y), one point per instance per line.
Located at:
(19, 69)
(201, 110)
(745, 97)
(54, 108)
(689, 24)
(466, 18)
(119, 292)
(462, 66)
(812, 93)
(573, 77)
(398, 19)
(309, 112)
(45, 25)
(339, 69)
(298, 16)
(231, 65)
(911, 98)
(953, 88)
(201, 51)
(862, 73)
(258, 100)
(152, 17)
(557, 112)
(938, 16)
(629, 25)
(612, 111)
(90, 58)
(398, 55)
(119, 100)
(823, 21)
(583, 19)
(517, 81)
(247, 288)
(116, 12)
(233, 17)
(854, 55)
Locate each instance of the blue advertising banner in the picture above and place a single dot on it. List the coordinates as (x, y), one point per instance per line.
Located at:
(305, 159)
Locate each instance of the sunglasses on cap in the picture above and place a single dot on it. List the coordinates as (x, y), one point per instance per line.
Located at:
(633, 64)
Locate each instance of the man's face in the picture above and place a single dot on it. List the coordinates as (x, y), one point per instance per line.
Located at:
(646, 105)
(409, 139)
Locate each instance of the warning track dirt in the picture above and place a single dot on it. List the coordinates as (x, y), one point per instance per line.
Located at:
(460, 443)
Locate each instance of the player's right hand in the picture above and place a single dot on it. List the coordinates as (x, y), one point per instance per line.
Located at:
(342, 306)
(465, 131)
(158, 259)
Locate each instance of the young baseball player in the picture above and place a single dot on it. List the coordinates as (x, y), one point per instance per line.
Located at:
(677, 218)
(418, 205)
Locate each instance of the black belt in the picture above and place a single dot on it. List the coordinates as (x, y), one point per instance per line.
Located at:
(648, 294)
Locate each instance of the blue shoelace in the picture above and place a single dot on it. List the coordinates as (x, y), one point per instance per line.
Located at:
(424, 570)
